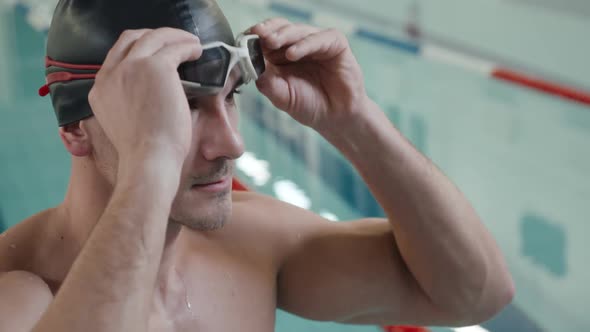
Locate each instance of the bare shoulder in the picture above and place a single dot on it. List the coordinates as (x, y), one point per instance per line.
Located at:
(24, 294)
(20, 243)
(294, 222)
(268, 225)
(251, 202)
(288, 228)
(274, 214)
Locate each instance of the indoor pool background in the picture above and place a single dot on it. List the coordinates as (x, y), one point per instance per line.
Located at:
(520, 156)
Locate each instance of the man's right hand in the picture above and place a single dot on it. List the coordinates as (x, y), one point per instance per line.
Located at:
(138, 98)
(139, 102)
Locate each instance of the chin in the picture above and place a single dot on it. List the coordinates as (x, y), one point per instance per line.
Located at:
(204, 215)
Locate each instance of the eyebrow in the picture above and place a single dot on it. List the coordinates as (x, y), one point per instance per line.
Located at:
(238, 82)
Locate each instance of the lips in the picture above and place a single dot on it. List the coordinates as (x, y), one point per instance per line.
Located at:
(207, 184)
(210, 183)
(222, 185)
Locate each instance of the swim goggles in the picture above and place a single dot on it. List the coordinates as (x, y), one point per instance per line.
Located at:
(211, 71)
(208, 74)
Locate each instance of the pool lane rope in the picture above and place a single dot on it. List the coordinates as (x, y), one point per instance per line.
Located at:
(430, 52)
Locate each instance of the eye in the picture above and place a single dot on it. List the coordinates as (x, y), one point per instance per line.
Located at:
(231, 95)
(193, 104)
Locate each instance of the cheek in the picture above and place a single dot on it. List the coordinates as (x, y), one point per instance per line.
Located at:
(234, 118)
(192, 157)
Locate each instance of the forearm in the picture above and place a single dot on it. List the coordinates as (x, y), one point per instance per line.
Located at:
(442, 240)
(110, 284)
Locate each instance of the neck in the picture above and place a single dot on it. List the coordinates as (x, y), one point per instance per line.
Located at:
(87, 197)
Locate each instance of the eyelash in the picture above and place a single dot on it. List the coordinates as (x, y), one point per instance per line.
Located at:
(231, 94)
(194, 104)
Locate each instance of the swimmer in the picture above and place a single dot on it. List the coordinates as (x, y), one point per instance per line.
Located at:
(150, 237)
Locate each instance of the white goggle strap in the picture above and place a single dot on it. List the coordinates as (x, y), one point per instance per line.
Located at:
(248, 70)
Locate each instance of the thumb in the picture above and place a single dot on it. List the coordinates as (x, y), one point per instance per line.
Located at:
(275, 88)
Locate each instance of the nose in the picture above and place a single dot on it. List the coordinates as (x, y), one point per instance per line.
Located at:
(219, 136)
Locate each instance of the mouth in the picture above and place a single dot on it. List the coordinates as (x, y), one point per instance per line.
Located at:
(221, 184)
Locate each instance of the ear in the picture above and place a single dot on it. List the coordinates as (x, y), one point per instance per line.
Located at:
(76, 139)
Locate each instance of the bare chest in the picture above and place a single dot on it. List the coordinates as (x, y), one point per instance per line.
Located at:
(218, 294)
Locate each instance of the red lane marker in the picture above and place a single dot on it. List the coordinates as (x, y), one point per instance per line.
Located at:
(540, 85)
(238, 186)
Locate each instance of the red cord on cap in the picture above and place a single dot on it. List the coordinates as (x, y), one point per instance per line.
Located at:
(65, 76)
(50, 62)
(44, 90)
(62, 76)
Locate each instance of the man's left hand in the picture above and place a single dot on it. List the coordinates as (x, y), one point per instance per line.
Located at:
(311, 73)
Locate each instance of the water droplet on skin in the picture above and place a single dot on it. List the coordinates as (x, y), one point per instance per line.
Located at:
(186, 300)
(188, 303)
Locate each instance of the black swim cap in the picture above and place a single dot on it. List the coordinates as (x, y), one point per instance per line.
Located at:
(83, 31)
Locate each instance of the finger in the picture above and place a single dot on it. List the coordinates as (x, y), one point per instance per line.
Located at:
(151, 42)
(268, 27)
(289, 34)
(177, 53)
(121, 48)
(273, 85)
(277, 57)
(323, 45)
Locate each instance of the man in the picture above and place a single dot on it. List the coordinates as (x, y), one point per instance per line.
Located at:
(150, 237)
